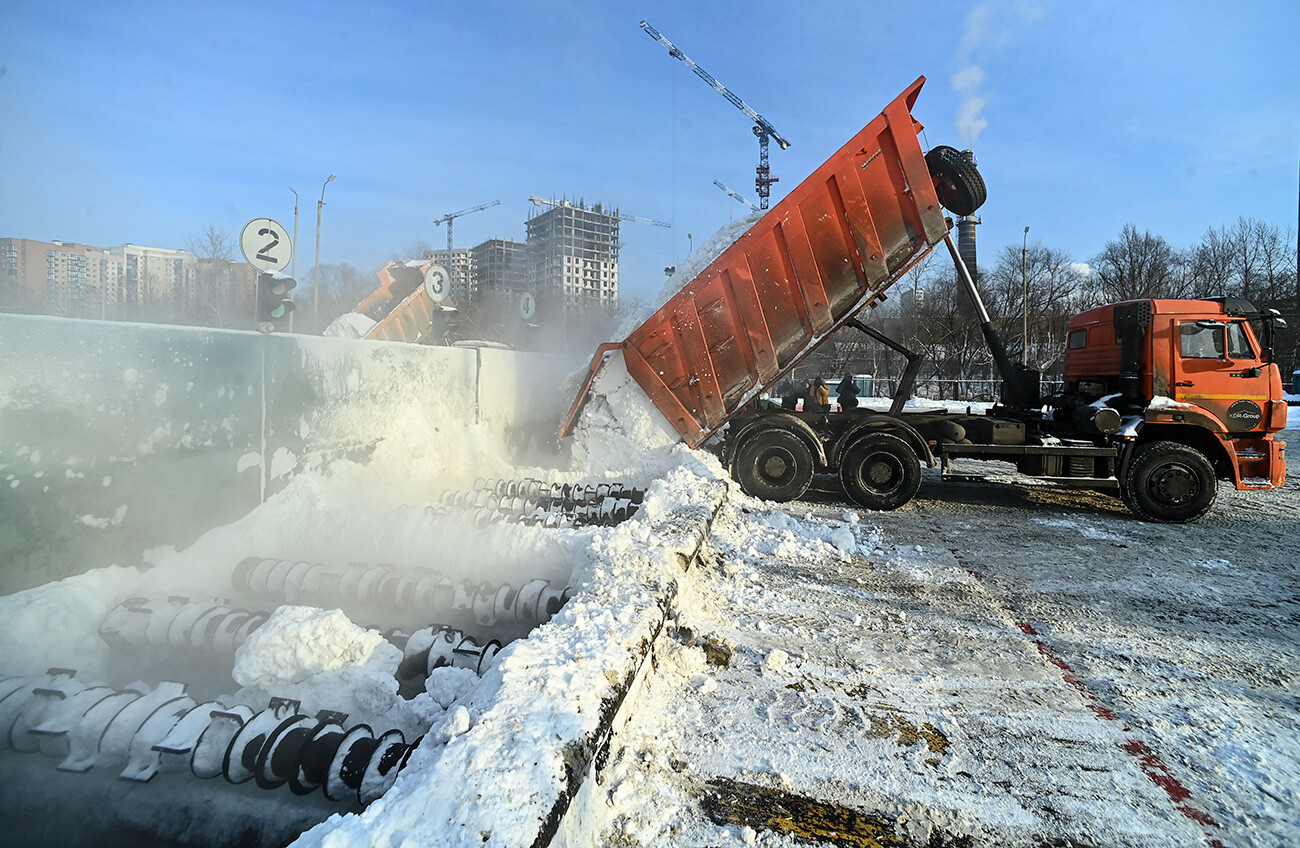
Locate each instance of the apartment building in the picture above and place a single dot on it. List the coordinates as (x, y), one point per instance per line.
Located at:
(573, 256)
(128, 282)
(500, 269)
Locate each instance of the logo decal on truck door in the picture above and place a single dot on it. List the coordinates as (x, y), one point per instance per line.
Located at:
(1244, 415)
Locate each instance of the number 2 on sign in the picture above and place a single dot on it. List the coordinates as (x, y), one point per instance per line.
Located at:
(264, 254)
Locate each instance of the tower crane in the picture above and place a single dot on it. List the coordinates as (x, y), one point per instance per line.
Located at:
(732, 192)
(537, 201)
(452, 215)
(763, 128)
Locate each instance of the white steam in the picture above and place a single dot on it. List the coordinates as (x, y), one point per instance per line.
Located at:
(970, 123)
(986, 27)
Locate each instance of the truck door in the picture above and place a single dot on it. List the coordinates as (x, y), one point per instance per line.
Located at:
(1217, 366)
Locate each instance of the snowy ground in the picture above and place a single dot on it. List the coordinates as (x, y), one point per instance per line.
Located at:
(995, 664)
(1012, 663)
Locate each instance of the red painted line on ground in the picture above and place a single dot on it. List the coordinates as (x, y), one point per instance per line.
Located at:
(1148, 761)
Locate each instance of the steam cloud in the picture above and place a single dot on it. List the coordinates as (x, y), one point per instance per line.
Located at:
(984, 28)
(969, 122)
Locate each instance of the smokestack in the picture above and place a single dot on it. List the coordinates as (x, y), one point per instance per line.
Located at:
(966, 232)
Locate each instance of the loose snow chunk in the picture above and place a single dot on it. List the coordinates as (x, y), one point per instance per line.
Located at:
(297, 642)
(844, 540)
(1162, 402)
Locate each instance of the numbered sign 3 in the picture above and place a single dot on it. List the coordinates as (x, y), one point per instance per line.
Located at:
(266, 245)
(437, 283)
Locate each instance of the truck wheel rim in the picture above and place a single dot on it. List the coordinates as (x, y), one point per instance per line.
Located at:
(881, 472)
(1174, 484)
(776, 466)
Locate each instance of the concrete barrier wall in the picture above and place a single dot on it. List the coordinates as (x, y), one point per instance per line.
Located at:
(115, 438)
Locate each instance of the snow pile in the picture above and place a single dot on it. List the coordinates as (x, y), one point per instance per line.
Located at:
(513, 741)
(350, 325)
(619, 430)
(326, 662)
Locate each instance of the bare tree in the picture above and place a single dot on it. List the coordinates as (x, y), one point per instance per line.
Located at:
(212, 243)
(1250, 258)
(1054, 285)
(1138, 265)
(342, 287)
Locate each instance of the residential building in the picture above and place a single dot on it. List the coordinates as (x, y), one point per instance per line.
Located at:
(573, 257)
(500, 269)
(128, 282)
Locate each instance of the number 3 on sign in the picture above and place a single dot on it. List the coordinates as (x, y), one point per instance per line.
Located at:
(265, 244)
(435, 283)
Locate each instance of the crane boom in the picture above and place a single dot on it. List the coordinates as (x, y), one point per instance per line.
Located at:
(537, 201)
(450, 216)
(763, 128)
(729, 191)
(762, 122)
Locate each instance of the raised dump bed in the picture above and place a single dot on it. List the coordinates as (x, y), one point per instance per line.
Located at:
(791, 280)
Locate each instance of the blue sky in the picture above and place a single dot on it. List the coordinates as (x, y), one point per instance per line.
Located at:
(146, 122)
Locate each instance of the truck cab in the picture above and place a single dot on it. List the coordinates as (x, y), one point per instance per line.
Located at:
(1188, 372)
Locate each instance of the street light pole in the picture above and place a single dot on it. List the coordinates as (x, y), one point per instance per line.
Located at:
(1024, 283)
(315, 286)
(293, 249)
(293, 255)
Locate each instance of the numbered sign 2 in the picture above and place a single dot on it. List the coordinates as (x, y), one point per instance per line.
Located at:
(266, 245)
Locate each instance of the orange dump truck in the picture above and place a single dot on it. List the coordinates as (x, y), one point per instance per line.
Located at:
(1133, 417)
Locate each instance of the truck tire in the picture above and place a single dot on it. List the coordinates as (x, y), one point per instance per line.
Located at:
(1168, 481)
(880, 471)
(957, 181)
(774, 465)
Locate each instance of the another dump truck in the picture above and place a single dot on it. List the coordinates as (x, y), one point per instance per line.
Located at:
(1144, 412)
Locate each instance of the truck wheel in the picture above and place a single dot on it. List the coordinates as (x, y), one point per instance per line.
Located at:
(1168, 481)
(956, 180)
(774, 465)
(880, 471)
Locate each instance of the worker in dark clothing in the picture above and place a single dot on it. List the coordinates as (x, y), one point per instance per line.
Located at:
(847, 391)
(789, 395)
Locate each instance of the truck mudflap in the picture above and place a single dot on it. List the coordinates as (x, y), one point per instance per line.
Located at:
(828, 250)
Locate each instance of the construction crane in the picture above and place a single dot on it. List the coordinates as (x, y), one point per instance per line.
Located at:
(451, 215)
(537, 201)
(731, 192)
(763, 128)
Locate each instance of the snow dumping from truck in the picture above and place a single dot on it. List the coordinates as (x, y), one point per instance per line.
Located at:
(827, 251)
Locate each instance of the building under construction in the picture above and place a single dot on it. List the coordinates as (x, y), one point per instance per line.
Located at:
(500, 269)
(573, 256)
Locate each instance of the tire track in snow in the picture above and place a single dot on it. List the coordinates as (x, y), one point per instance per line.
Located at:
(1149, 762)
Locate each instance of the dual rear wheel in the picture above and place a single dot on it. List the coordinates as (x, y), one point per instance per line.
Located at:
(878, 471)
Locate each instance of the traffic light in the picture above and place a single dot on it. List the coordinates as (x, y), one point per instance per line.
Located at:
(273, 303)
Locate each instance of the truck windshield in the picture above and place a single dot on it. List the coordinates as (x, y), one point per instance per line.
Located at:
(1238, 345)
(1209, 340)
(1202, 341)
